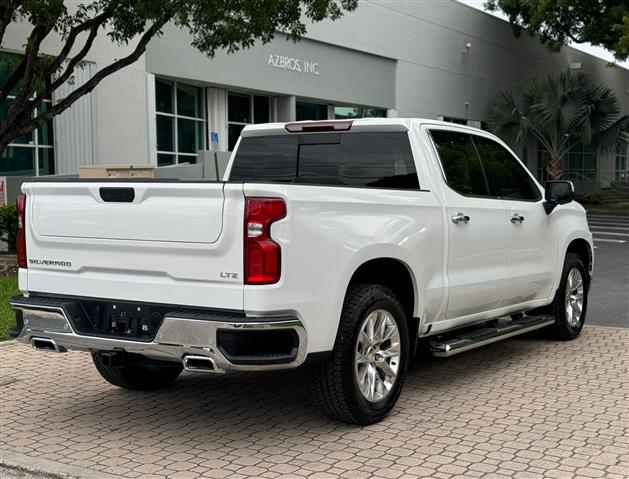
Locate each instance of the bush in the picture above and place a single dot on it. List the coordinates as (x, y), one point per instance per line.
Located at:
(8, 225)
(589, 198)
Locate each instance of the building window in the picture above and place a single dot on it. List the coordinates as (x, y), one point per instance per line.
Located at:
(311, 111)
(579, 164)
(622, 162)
(451, 119)
(33, 153)
(181, 122)
(349, 112)
(242, 110)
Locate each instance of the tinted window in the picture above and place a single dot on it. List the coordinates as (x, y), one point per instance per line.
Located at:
(381, 160)
(460, 163)
(266, 158)
(507, 178)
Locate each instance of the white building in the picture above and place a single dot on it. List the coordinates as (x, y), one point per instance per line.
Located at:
(410, 59)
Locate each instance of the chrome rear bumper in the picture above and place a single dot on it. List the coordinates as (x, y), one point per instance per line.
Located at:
(176, 338)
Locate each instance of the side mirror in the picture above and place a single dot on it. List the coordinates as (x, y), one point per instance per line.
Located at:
(558, 193)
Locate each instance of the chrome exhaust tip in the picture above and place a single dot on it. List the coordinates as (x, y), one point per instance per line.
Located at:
(200, 364)
(45, 344)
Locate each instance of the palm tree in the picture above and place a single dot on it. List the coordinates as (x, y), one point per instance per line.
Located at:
(560, 111)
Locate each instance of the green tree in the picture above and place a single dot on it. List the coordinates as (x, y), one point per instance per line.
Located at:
(214, 24)
(555, 22)
(560, 111)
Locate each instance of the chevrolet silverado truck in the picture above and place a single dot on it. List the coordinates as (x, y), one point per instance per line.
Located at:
(335, 244)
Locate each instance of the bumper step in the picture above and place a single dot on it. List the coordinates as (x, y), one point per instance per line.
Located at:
(461, 341)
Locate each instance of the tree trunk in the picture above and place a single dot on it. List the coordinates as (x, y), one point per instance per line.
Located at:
(554, 168)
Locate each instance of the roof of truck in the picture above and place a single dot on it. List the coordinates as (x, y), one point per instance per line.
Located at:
(358, 124)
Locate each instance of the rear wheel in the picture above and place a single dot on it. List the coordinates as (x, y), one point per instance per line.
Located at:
(362, 379)
(138, 373)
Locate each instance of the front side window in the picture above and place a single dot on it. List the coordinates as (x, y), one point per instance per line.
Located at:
(33, 153)
(180, 122)
(461, 167)
(377, 160)
(506, 177)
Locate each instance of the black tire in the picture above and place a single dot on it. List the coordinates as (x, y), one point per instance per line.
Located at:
(562, 330)
(334, 386)
(138, 373)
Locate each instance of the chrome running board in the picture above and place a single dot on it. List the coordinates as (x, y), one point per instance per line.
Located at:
(461, 341)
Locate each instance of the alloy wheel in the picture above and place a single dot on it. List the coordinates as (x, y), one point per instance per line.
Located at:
(377, 355)
(574, 297)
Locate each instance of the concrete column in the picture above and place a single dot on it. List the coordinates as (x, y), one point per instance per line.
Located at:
(217, 115)
(151, 131)
(286, 108)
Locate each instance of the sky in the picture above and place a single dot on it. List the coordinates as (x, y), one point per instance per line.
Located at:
(586, 47)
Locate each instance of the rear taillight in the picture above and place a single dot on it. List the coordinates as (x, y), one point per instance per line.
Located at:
(21, 231)
(263, 258)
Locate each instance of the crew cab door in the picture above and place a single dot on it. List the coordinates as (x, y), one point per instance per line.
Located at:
(477, 232)
(532, 233)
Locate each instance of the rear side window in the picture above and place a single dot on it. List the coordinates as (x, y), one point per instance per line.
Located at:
(378, 160)
(507, 178)
(461, 166)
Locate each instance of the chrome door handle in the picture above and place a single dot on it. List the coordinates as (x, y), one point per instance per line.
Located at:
(460, 217)
(517, 217)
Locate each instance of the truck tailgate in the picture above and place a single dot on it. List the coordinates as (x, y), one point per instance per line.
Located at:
(162, 242)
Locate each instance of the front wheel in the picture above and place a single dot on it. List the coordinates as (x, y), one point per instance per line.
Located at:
(362, 379)
(570, 305)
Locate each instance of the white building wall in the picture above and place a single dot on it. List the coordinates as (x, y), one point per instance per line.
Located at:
(436, 73)
(74, 130)
(118, 106)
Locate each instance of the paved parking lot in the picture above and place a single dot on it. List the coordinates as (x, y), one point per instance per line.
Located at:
(609, 298)
(523, 408)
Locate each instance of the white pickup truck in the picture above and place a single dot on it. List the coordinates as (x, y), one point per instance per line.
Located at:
(338, 244)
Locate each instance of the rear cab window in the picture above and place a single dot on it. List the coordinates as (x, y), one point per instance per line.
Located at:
(353, 159)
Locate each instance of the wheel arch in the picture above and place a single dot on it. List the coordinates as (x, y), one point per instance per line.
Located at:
(394, 273)
(391, 273)
(579, 242)
(582, 248)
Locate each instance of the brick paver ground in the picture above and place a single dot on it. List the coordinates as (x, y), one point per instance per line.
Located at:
(523, 408)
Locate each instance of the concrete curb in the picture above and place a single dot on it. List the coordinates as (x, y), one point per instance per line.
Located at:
(49, 468)
(8, 342)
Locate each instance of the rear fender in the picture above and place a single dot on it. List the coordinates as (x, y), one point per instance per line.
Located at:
(377, 251)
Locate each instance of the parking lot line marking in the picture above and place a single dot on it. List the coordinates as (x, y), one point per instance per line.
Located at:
(608, 220)
(609, 233)
(607, 240)
(596, 223)
(597, 227)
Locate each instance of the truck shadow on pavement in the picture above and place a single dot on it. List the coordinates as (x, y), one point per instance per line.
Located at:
(272, 404)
